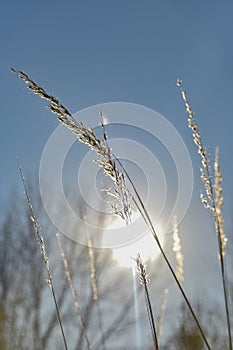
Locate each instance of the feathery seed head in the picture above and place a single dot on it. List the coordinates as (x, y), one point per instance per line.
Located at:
(86, 135)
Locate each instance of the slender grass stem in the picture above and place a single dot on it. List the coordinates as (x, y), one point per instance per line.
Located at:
(222, 265)
(145, 280)
(73, 291)
(108, 163)
(161, 312)
(212, 206)
(143, 211)
(151, 317)
(43, 251)
(95, 292)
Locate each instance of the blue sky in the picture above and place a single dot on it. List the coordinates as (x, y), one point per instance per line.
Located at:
(91, 52)
(94, 52)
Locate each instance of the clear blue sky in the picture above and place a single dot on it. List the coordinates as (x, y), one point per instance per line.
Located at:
(89, 52)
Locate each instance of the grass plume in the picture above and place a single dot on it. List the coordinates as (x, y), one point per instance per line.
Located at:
(145, 280)
(72, 290)
(161, 312)
(84, 134)
(219, 201)
(94, 287)
(40, 238)
(108, 162)
(177, 249)
(212, 200)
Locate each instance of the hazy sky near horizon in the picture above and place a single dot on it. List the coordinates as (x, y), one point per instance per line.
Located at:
(88, 53)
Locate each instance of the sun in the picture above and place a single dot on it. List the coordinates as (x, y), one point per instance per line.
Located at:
(127, 241)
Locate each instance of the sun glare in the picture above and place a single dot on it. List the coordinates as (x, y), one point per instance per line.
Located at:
(141, 242)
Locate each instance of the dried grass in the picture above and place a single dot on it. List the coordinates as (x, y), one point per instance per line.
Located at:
(86, 135)
(40, 238)
(145, 280)
(177, 249)
(212, 200)
(111, 165)
(72, 290)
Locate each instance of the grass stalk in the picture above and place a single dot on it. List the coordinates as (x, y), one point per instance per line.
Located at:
(161, 312)
(72, 290)
(109, 163)
(40, 238)
(143, 211)
(145, 280)
(210, 201)
(95, 294)
(177, 249)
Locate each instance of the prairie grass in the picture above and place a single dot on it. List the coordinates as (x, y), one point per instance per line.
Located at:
(145, 280)
(212, 199)
(177, 249)
(72, 290)
(40, 238)
(114, 169)
(94, 287)
(161, 312)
